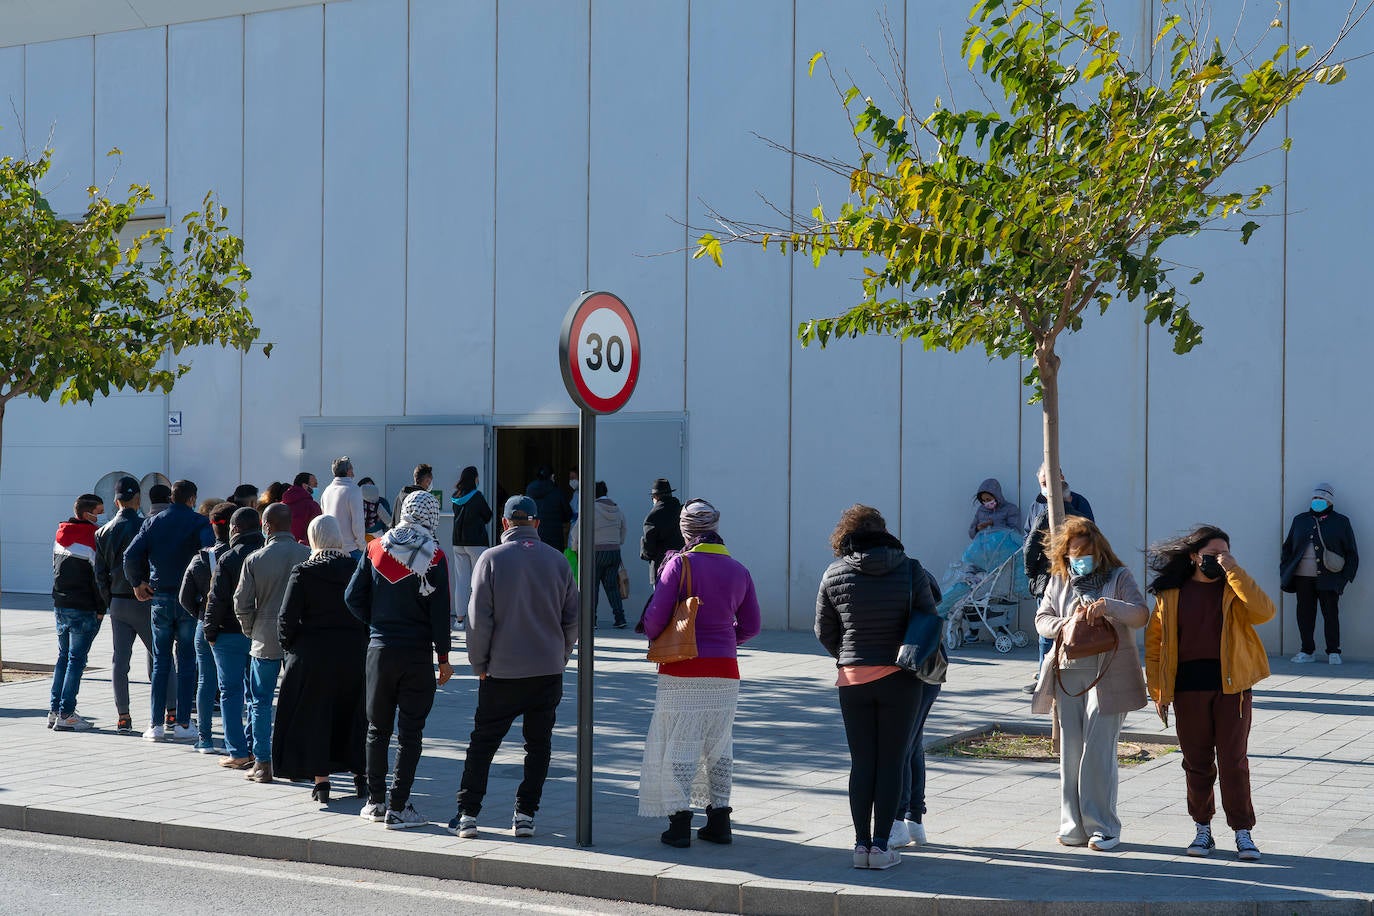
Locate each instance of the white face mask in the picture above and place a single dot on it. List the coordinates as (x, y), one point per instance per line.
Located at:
(572, 484)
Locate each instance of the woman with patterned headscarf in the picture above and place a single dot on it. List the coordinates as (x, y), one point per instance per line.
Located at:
(689, 751)
(320, 726)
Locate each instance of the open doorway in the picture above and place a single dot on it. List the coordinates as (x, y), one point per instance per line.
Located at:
(522, 450)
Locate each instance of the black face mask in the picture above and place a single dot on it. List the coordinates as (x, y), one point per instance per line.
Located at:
(1211, 568)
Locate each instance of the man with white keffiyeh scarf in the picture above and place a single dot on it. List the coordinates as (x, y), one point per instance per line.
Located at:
(400, 590)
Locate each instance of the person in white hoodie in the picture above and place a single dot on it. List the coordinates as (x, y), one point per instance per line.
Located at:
(609, 535)
(344, 501)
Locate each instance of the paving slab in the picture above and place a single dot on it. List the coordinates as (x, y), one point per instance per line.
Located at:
(991, 824)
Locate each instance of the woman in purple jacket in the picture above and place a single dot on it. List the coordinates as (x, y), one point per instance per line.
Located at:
(689, 751)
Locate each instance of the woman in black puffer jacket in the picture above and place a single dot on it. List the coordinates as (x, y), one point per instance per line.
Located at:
(866, 598)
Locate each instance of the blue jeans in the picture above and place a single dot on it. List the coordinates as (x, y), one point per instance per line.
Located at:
(231, 664)
(608, 577)
(911, 803)
(1046, 646)
(172, 623)
(207, 686)
(263, 676)
(75, 632)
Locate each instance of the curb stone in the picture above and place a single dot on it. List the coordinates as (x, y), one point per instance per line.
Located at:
(627, 879)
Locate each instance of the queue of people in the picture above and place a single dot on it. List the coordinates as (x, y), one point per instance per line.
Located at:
(363, 630)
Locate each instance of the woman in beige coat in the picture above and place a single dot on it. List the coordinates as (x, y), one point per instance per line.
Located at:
(1093, 694)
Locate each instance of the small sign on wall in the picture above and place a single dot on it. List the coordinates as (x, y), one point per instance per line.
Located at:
(174, 423)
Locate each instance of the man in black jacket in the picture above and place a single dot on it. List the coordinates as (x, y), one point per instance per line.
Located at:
(1309, 568)
(194, 597)
(661, 532)
(227, 642)
(555, 511)
(78, 607)
(1036, 532)
(130, 618)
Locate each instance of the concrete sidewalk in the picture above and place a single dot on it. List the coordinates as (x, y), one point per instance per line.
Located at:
(991, 824)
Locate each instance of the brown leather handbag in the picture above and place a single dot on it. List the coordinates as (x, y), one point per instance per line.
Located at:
(1078, 638)
(678, 641)
(1082, 639)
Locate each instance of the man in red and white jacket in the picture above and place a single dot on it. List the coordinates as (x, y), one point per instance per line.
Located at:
(78, 606)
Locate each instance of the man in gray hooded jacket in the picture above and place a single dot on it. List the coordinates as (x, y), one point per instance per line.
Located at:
(257, 605)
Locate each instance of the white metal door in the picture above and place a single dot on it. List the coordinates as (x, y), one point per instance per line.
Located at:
(448, 447)
(630, 454)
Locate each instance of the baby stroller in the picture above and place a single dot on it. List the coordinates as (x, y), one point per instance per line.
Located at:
(985, 587)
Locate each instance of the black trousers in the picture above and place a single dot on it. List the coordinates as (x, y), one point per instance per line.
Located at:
(400, 690)
(499, 702)
(1308, 595)
(878, 719)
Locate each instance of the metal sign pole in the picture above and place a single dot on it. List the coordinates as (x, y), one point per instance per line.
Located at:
(586, 583)
(599, 355)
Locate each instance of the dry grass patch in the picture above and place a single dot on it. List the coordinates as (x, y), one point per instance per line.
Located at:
(1006, 744)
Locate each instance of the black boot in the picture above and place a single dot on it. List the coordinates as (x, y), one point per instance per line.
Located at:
(679, 832)
(320, 792)
(717, 829)
(360, 785)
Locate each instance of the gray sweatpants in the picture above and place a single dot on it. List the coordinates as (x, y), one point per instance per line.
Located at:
(132, 619)
(1087, 760)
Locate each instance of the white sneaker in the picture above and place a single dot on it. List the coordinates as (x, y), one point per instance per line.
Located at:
(899, 836)
(373, 811)
(522, 824)
(1103, 843)
(880, 859)
(52, 719)
(154, 733)
(75, 723)
(860, 856)
(404, 819)
(1333, 658)
(1303, 658)
(917, 832)
(464, 826)
(183, 733)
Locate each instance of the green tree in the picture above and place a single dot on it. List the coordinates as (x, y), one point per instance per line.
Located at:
(1006, 228)
(85, 311)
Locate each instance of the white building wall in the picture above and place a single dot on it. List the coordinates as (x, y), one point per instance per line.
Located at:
(424, 186)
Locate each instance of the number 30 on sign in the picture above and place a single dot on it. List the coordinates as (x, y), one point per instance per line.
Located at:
(599, 352)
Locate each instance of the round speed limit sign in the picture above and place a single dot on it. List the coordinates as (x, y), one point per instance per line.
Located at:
(599, 352)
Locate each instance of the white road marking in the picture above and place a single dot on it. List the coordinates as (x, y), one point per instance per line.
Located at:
(244, 871)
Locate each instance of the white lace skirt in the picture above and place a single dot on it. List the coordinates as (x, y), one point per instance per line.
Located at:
(689, 752)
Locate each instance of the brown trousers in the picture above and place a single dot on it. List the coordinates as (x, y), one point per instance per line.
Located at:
(1214, 733)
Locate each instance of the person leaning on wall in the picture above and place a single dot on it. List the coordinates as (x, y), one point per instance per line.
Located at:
(1318, 561)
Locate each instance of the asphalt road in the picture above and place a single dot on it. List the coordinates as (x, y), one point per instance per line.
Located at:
(47, 874)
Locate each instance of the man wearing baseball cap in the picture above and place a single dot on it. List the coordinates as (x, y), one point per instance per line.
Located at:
(130, 618)
(528, 587)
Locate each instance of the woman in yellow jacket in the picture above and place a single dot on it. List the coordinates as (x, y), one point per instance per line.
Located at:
(1202, 655)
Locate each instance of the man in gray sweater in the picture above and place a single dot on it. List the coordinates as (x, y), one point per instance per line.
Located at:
(257, 605)
(522, 626)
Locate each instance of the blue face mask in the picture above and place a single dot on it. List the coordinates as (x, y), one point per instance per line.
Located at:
(1081, 566)
(1320, 505)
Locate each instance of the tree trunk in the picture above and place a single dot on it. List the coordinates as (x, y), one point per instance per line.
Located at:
(1047, 361)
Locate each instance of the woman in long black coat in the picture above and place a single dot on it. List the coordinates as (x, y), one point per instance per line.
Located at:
(321, 726)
